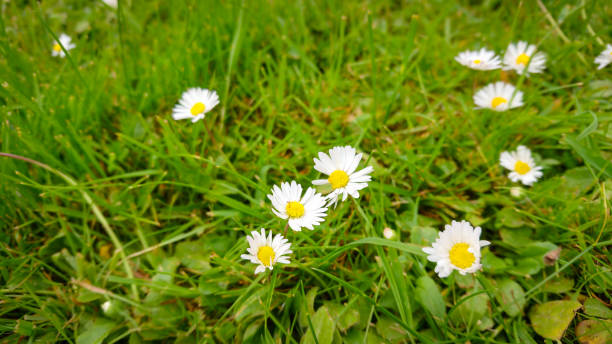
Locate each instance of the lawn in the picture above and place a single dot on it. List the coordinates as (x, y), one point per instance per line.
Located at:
(121, 225)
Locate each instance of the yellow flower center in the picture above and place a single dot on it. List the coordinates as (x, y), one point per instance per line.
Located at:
(338, 179)
(477, 61)
(198, 108)
(522, 59)
(460, 256)
(497, 101)
(521, 167)
(57, 47)
(295, 209)
(265, 255)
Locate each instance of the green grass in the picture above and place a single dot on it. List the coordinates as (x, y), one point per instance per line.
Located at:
(133, 207)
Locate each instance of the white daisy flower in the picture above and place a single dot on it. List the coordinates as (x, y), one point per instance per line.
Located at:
(65, 41)
(482, 59)
(605, 58)
(340, 166)
(521, 54)
(306, 211)
(522, 165)
(194, 104)
(266, 251)
(499, 96)
(457, 248)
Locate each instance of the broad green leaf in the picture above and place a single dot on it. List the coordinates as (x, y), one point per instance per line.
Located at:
(251, 330)
(355, 336)
(364, 308)
(226, 331)
(428, 295)
(94, 331)
(344, 315)
(470, 311)
(511, 297)
(166, 314)
(457, 204)
(466, 281)
(423, 235)
(596, 308)
(485, 323)
(389, 329)
(163, 282)
(526, 266)
(576, 181)
(516, 237)
(208, 285)
(251, 307)
(558, 285)
(550, 319)
(601, 88)
(537, 249)
(594, 331)
(508, 217)
(445, 166)
(590, 156)
(307, 307)
(190, 253)
(491, 263)
(218, 244)
(324, 327)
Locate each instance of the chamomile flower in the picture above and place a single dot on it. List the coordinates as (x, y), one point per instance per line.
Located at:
(65, 41)
(521, 54)
(302, 211)
(522, 165)
(482, 59)
(194, 104)
(499, 96)
(340, 166)
(605, 58)
(267, 251)
(456, 248)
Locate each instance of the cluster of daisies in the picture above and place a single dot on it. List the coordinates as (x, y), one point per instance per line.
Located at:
(289, 201)
(501, 96)
(521, 57)
(458, 246)
(308, 209)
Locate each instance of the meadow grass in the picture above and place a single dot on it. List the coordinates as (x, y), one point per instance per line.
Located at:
(123, 204)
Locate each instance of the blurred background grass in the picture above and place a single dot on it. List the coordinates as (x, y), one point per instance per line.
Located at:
(155, 216)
